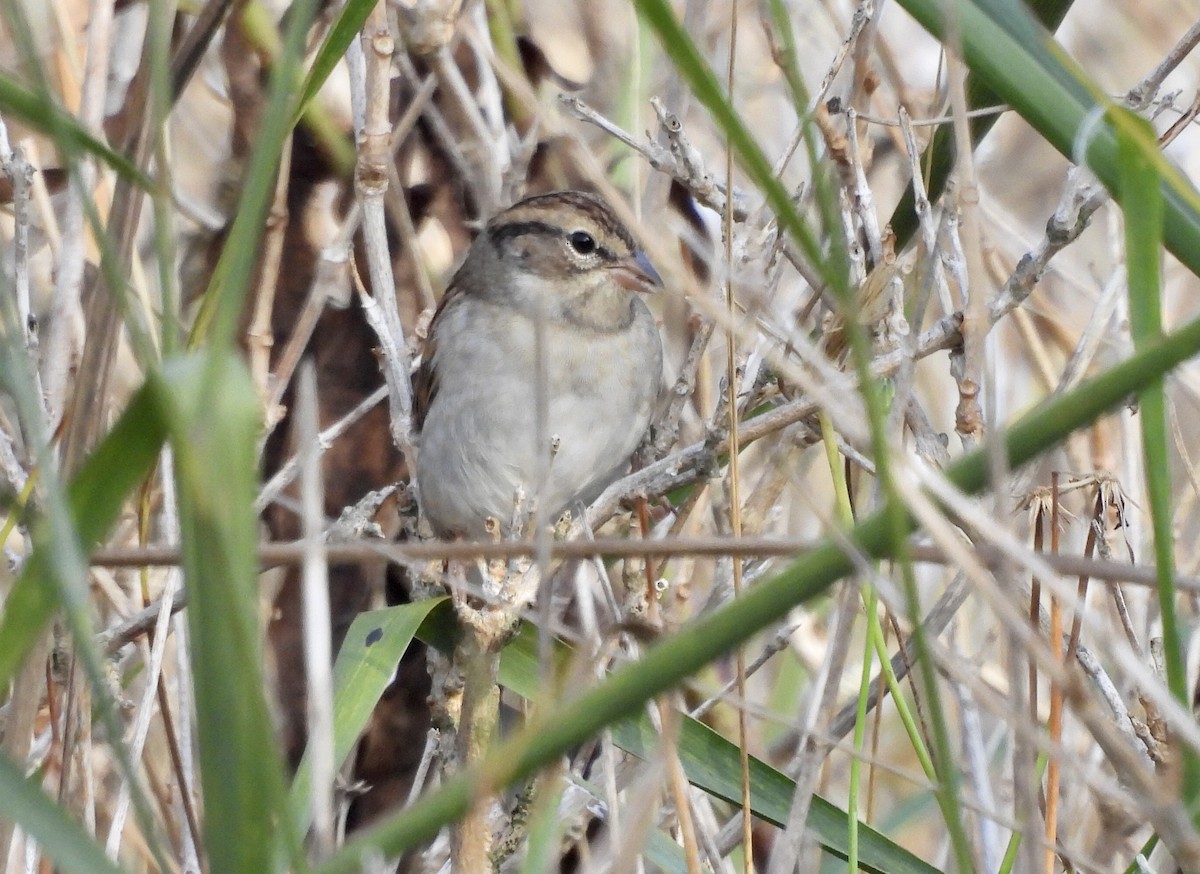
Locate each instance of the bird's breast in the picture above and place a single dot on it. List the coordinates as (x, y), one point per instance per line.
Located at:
(481, 437)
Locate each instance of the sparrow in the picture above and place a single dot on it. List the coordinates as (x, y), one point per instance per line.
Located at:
(547, 306)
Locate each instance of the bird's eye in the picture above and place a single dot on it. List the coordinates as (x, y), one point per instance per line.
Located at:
(582, 242)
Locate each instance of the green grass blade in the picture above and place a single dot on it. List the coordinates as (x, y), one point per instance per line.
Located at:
(712, 763)
(72, 518)
(344, 30)
(96, 495)
(1143, 204)
(212, 410)
(60, 837)
(939, 156)
(221, 306)
(1007, 48)
(43, 116)
(691, 66)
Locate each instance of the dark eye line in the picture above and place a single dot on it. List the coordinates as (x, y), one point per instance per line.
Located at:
(503, 232)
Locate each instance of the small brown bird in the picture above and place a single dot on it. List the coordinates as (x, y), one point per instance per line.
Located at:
(565, 260)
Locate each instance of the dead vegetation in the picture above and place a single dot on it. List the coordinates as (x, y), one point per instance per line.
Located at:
(998, 691)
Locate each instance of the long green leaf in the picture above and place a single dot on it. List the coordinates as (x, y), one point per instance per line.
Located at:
(1014, 55)
(221, 306)
(60, 837)
(41, 115)
(72, 519)
(1143, 204)
(212, 411)
(692, 67)
(939, 157)
(712, 763)
(344, 30)
(96, 495)
(365, 665)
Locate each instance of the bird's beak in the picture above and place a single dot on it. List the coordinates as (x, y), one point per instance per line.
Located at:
(636, 273)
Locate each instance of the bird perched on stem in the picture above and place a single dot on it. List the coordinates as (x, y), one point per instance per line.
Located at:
(541, 367)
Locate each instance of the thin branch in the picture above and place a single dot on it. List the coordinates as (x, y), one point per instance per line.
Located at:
(371, 80)
(1140, 96)
(288, 470)
(318, 642)
(373, 551)
(900, 121)
(682, 161)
